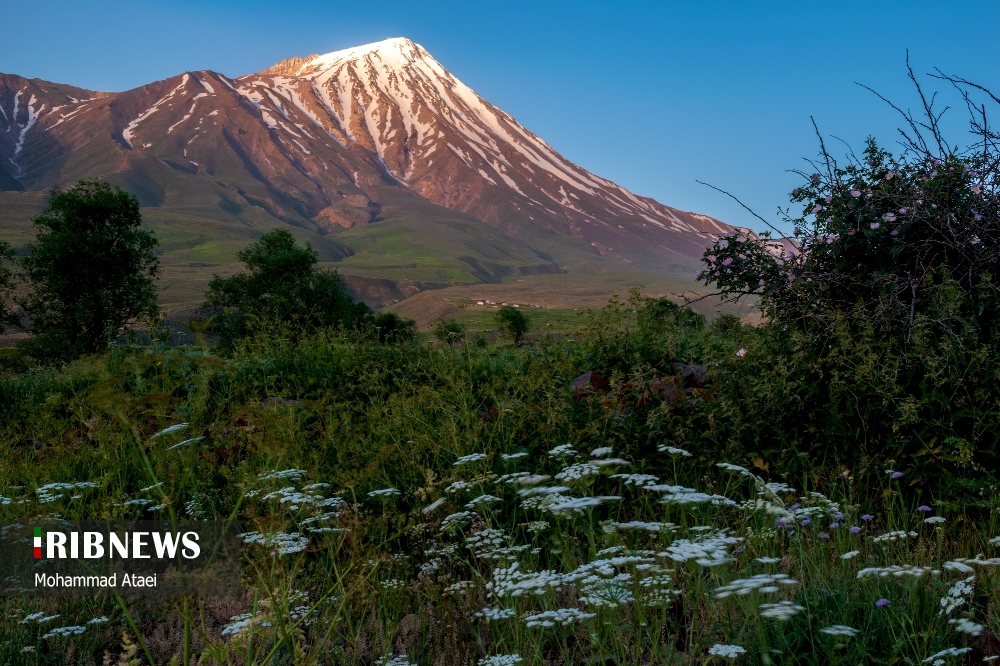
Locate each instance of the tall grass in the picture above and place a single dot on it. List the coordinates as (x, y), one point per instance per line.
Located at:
(477, 512)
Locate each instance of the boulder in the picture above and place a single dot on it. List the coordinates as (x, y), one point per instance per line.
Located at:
(587, 383)
(692, 374)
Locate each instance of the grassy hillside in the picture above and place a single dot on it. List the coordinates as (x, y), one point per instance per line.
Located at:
(414, 246)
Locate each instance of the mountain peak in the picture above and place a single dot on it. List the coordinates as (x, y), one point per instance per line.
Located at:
(395, 51)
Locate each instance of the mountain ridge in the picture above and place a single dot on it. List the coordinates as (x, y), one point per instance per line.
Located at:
(343, 148)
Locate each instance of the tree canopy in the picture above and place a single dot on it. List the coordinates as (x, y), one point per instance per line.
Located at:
(90, 272)
(282, 285)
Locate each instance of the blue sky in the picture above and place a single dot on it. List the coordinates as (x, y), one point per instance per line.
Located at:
(653, 95)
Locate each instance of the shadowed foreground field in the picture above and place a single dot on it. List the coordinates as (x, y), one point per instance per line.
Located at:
(408, 504)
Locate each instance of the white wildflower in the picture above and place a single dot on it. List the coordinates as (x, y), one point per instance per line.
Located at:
(533, 479)
(384, 492)
(672, 450)
(563, 451)
(897, 570)
(611, 526)
(949, 652)
(65, 631)
(456, 521)
(957, 565)
(494, 614)
(957, 595)
(580, 504)
(850, 554)
(601, 452)
(562, 616)
(482, 499)
(760, 582)
(708, 550)
(641, 480)
(282, 475)
(840, 630)
(734, 468)
(281, 543)
(513, 456)
(513, 477)
(472, 457)
(511, 581)
(768, 560)
(606, 592)
(501, 660)
(934, 520)
(781, 611)
(967, 626)
(577, 471)
(726, 651)
(607, 462)
(893, 536)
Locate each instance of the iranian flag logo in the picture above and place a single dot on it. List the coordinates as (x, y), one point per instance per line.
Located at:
(38, 543)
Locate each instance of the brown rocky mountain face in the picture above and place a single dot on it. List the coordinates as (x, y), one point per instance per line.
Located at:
(377, 155)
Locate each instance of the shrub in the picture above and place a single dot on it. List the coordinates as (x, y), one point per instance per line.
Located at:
(389, 327)
(512, 322)
(282, 286)
(449, 331)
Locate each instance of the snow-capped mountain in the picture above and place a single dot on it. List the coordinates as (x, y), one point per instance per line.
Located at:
(436, 135)
(339, 141)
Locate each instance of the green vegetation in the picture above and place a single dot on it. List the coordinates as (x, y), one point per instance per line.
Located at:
(638, 542)
(450, 331)
(90, 272)
(511, 322)
(282, 285)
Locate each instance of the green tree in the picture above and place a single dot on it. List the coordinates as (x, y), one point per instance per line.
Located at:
(512, 322)
(449, 330)
(90, 272)
(389, 327)
(282, 286)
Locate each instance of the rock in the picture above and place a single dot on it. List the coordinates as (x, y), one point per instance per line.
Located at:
(588, 382)
(667, 388)
(693, 375)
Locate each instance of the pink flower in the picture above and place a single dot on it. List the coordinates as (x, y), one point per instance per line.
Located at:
(817, 208)
(727, 261)
(976, 189)
(855, 193)
(874, 225)
(711, 258)
(742, 352)
(902, 211)
(760, 283)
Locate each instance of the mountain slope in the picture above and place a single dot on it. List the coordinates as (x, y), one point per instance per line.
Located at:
(377, 155)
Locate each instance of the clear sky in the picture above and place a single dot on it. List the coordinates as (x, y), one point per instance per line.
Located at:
(652, 95)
